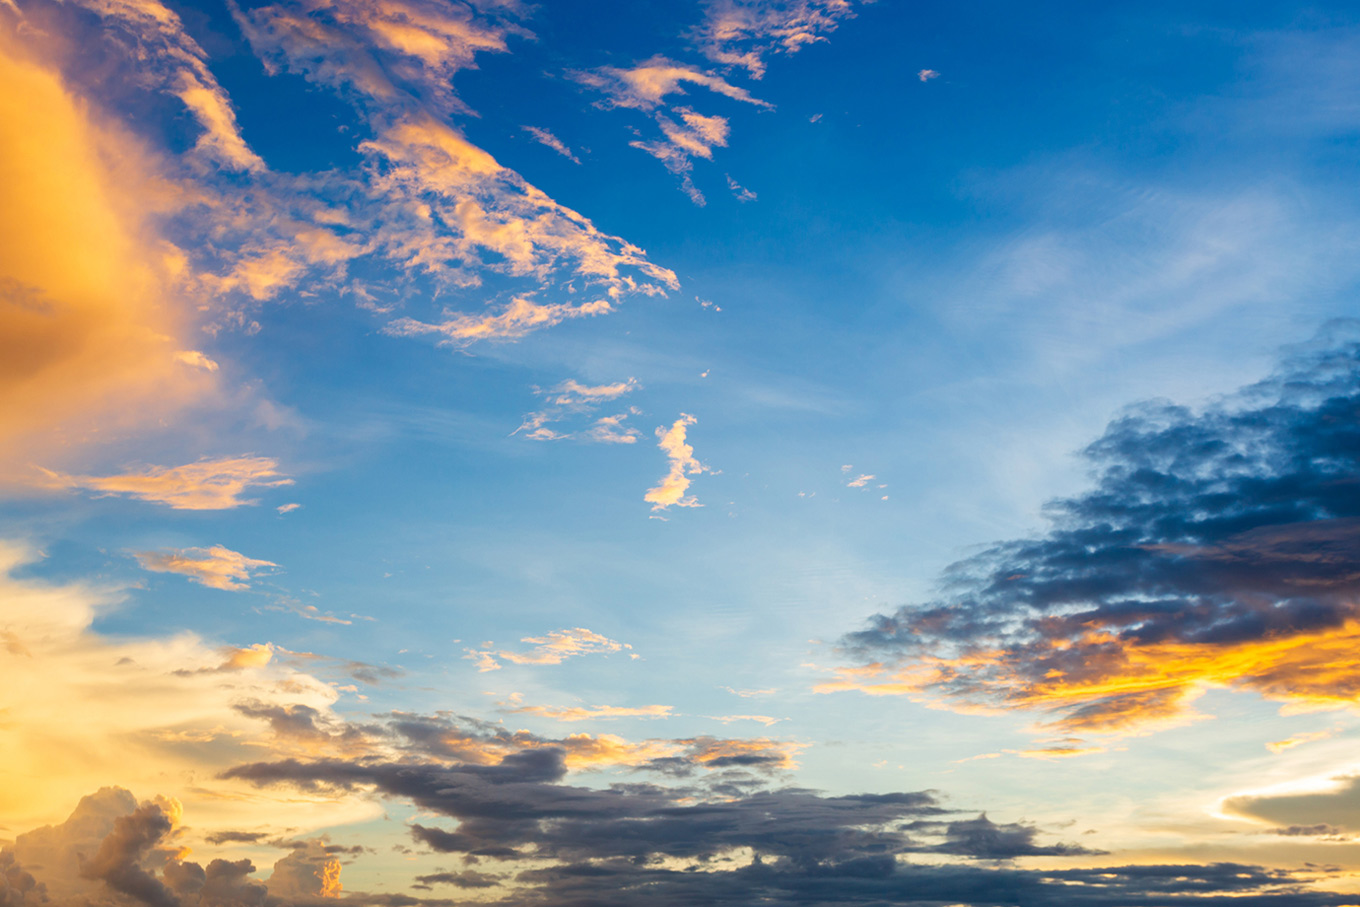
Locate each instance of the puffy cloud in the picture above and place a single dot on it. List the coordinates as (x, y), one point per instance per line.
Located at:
(743, 32)
(208, 484)
(671, 491)
(310, 871)
(92, 323)
(1218, 548)
(112, 850)
(155, 713)
(216, 567)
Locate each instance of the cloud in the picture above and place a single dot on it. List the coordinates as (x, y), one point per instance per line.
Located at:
(860, 482)
(208, 484)
(92, 321)
(743, 32)
(156, 712)
(646, 85)
(728, 838)
(1219, 547)
(1329, 805)
(587, 713)
(520, 317)
(926, 75)
(571, 398)
(554, 648)
(671, 491)
(114, 850)
(544, 137)
(687, 133)
(216, 567)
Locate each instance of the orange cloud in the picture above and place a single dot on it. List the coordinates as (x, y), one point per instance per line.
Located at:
(520, 317)
(92, 320)
(216, 567)
(554, 647)
(155, 713)
(1125, 687)
(671, 490)
(205, 485)
(741, 32)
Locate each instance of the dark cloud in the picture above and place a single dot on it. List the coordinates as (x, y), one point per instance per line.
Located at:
(1331, 811)
(558, 844)
(1217, 547)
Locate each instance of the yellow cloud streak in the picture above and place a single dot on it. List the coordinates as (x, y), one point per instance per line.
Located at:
(1126, 686)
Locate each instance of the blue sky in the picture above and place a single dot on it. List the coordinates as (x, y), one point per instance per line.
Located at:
(658, 408)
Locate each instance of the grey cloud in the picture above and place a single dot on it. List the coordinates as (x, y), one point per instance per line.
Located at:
(1216, 530)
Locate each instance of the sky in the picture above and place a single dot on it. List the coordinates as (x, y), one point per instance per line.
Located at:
(805, 452)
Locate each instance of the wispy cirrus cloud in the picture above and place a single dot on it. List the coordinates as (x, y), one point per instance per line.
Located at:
(550, 649)
(207, 484)
(671, 492)
(744, 32)
(687, 133)
(548, 140)
(571, 398)
(1218, 548)
(217, 567)
(590, 713)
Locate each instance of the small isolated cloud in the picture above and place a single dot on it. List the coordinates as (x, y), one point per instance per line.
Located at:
(585, 713)
(544, 137)
(861, 481)
(762, 719)
(549, 649)
(741, 192)
(216, 567)
(671, 491)
(572, 398)
(1279, 746)
(209, 484)
(287, 508)
(196, 359)
(926, 75)
(751, 694)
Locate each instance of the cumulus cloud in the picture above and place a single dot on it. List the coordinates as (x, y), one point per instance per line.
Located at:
(216, 567)
(1219, 547)
(155, 712)
(671, 491)
(113, 850)
(208, 484)
(91, 326)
